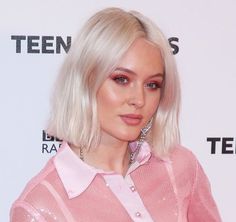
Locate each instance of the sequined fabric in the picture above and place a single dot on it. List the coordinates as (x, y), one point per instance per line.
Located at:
(174, 189)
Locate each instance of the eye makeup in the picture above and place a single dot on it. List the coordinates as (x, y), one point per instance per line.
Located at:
(120, 78)
(153, 85)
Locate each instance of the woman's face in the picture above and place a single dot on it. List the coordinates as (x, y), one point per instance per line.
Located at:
(129, 97)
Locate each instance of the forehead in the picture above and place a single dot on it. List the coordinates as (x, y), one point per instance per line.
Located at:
(143, 57)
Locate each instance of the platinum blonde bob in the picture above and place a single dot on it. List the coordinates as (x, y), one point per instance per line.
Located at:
(94, 54)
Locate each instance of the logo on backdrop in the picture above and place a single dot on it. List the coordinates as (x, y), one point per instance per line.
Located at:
(222, 145)
(173, 44)
(35, 44)
(50, 144)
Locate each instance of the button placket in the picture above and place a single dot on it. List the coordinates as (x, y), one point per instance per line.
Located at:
(131, 200)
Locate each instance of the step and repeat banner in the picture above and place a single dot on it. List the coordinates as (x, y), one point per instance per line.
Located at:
(35, 36)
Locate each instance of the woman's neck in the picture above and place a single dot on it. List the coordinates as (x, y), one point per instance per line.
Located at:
(110, 155)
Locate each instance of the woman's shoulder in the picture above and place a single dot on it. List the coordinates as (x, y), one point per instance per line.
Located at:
(39, 198)
(183, 160)
(181, 153)
(35, 188)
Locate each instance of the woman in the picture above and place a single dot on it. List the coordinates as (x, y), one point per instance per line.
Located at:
(116, 107)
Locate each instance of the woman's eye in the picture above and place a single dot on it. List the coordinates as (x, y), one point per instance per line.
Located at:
(153, 85)
(121, 79)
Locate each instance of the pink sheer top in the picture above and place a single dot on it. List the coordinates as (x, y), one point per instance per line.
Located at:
(174, 189)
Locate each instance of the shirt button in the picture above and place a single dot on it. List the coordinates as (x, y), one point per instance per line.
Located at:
(138, 214)
(132, 188)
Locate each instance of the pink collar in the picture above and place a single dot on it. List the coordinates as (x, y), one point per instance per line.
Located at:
(76, 175)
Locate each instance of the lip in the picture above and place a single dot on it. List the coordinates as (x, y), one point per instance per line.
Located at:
(132, 119)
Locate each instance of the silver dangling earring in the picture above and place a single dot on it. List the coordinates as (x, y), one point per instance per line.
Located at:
(81, 153)
(144, 132)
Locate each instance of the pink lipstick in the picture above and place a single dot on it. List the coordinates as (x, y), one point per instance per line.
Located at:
(132, 119)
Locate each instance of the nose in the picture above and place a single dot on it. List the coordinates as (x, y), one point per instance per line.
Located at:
(137, 97)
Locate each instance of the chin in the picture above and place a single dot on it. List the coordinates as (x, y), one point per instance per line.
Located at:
(127, 136)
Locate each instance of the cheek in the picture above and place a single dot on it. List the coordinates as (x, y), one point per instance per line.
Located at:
(152, 105)
(105, 98)
(107, 102)
(108, 98)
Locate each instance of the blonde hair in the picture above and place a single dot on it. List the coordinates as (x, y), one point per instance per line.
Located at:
(95, 52)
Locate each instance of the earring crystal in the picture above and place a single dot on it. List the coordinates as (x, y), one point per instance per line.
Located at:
(81, 153)
(144, 132)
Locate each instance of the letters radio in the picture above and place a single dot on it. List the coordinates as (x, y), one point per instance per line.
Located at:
(50, 144)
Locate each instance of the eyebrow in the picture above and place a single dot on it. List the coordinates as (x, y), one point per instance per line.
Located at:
(134, 73)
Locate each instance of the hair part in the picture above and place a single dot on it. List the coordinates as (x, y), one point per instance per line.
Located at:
(94, 54)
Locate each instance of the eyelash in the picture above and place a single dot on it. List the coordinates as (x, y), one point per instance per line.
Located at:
(124, 80)
(157, 85)
(120, 79)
